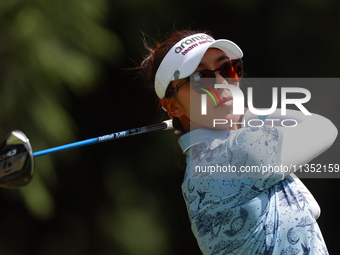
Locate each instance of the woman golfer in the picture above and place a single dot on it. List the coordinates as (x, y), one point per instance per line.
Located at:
(233, 210)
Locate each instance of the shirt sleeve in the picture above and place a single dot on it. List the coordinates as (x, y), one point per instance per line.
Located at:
(257, 156)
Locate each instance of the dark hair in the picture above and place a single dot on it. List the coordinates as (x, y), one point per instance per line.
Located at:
(150, 64)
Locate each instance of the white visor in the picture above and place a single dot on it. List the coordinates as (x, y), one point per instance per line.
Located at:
(183, 58)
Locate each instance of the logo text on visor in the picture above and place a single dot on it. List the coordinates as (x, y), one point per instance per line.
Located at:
(193, 42)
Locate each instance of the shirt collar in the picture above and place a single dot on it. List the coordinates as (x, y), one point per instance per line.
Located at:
(199, 135)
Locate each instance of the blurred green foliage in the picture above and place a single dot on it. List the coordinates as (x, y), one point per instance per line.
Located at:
(46, 49)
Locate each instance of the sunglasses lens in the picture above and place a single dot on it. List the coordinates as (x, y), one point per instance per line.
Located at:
(204, 80)
(232, 70)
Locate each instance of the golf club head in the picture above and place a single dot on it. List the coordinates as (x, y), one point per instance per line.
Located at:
(16, 161)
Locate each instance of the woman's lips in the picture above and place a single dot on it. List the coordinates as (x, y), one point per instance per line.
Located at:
(227, 101)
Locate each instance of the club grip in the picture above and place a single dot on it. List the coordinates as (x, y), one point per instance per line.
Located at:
(169, 124)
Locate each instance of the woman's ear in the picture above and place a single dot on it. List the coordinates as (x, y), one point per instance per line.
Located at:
(172, 107)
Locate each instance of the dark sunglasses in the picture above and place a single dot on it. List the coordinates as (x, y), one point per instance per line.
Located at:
(231, 70)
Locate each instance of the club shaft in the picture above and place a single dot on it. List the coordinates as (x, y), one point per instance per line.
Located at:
(164, 125)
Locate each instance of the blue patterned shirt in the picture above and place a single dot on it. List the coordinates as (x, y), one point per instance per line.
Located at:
(239, 212)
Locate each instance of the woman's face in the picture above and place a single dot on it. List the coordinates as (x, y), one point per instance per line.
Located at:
(187, 102)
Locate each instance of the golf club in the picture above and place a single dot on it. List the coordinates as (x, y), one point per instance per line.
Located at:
(17, 158)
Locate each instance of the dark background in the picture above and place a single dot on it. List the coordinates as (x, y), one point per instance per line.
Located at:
(64, 77)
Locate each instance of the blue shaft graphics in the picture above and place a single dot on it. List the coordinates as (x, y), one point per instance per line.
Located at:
(163, 125)
(66, 147)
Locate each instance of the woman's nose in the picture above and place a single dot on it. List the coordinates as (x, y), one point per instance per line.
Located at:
(219, 78)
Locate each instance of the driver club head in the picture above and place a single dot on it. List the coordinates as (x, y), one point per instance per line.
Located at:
(16, 161)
